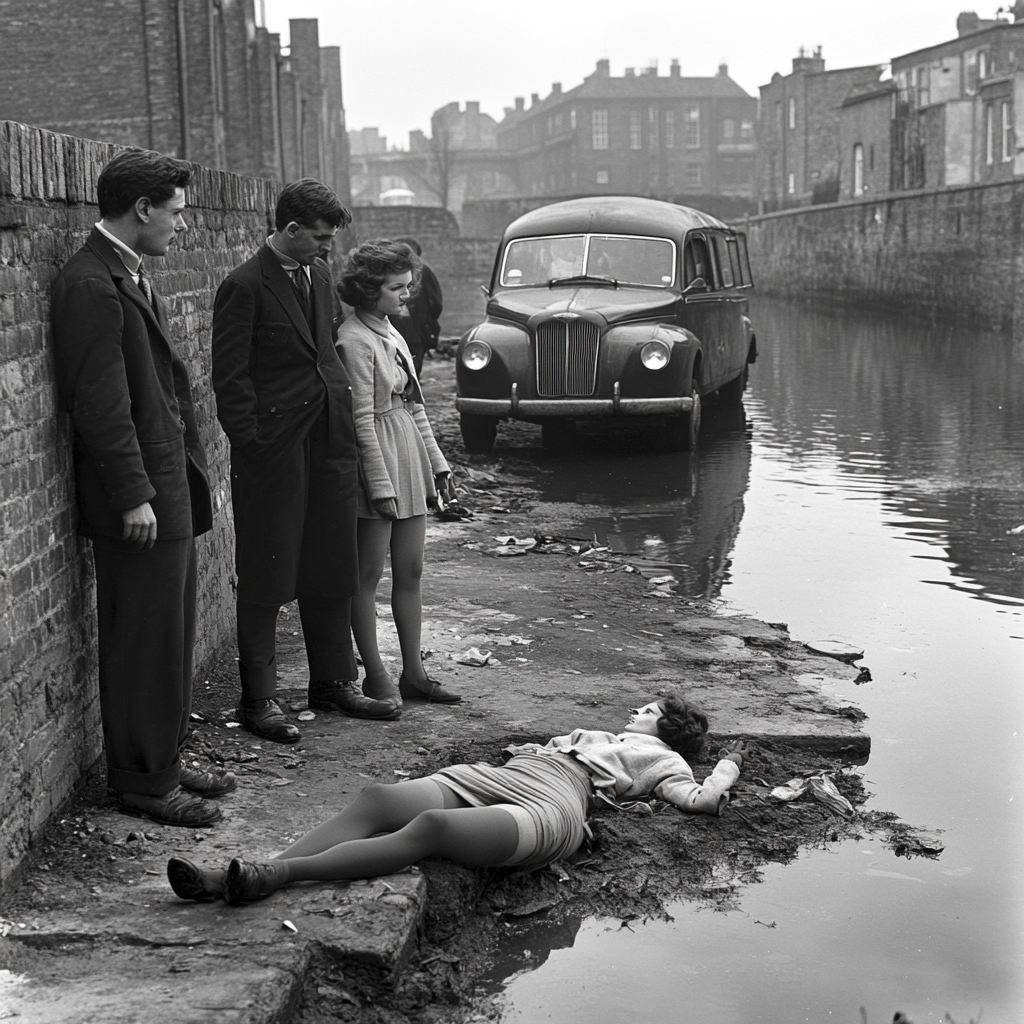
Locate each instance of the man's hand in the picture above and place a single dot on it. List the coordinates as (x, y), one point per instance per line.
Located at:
(386, 507)
(139, 526)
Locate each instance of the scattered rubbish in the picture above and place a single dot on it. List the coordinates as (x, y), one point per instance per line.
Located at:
(306, 716)
(289, 926)
(821, 787)
(232, 725)
(918, 844)
(650, 632)
(298, 705)
(1016, 530)
(401, 773)
(196, 717)
(475, 657)
(507, 552)
(834, 649)
(661, 580)
(281, 782)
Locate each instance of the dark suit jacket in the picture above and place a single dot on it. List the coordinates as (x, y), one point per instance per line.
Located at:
(422, 326)
(274, 376)
(128, 393)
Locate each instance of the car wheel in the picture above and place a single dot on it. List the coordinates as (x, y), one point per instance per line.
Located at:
(681, 431)
(478, 432)
(731, 393)
(555, 433)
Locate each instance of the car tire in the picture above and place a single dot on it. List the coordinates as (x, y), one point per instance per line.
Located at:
(681, 432)
(555, 433)
(478, 432)
(731, 393)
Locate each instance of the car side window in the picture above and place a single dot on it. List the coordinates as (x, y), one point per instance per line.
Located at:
(724, 263)
(747, 277)
(697, 261)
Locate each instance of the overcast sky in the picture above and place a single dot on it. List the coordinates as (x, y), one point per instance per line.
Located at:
(400, 60)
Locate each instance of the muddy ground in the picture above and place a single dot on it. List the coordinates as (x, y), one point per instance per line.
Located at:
(577, 637)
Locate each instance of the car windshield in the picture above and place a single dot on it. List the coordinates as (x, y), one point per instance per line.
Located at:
(622, 259)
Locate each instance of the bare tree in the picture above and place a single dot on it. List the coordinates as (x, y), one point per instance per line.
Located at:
(442, 160)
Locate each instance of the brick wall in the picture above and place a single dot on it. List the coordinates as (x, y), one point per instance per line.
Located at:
(49, 712)
(953, 252)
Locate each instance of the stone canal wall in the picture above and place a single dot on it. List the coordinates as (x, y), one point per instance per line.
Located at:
(947, 253)
(49, 707)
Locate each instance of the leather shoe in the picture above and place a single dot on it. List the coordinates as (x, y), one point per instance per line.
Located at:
(174, 808)
(431, 691)
(250, 881)
(207, 783)
(189, 883)
(349, 699)
(266, 719)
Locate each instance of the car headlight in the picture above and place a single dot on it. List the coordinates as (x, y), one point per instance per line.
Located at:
(655, 354)
(476, 355)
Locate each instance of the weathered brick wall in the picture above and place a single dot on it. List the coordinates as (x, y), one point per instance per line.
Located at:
(49, 712)
(953, 252)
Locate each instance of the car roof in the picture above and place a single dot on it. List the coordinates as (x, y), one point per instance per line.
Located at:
(614, 215)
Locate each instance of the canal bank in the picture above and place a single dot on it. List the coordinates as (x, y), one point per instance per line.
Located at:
(576, 639)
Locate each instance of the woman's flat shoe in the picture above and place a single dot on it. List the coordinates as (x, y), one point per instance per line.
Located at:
(431, 691)
(247, 881)
(188, 882)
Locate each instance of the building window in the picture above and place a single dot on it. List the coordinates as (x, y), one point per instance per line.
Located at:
(920, 81)
(691, 176)
(652, 128)
(728, 129)
(982, 65)
(792, 112)
(778, 113)
(572, 119)
(746, 129)
(1007, 132)
(691, 129)
(791, 184)
(871, 157)
(551, 126)
(635, 129)
(858, 170)
(670, 129)
(599, 129)
(990, 147)
(971, 72)
(602, 177)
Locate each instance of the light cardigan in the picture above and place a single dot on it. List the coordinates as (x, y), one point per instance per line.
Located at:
(631, 765)
(367, 346)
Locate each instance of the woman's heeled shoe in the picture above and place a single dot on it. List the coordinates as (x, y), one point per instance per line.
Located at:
(431, 691)
(384, 689)
(247, 881)
(190, 882)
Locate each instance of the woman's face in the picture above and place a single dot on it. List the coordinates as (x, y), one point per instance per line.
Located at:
(394, 294)
(645, 720)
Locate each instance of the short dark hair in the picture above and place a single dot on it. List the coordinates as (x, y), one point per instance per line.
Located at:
(682, 725)
(139, 174)
(367, 268)
(413, 244)
(306, 201)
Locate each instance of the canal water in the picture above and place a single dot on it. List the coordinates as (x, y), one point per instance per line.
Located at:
(869, 494)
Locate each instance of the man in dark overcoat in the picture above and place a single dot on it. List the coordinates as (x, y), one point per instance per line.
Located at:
(285, 403)
(421, 327)
(141, 485)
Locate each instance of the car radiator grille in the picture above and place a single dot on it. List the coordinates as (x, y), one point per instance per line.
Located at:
(566, 358)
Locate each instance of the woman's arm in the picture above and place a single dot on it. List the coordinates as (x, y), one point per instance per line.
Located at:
(708, 797)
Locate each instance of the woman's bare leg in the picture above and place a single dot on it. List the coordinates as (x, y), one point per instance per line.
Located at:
(407, 539)
(475, 836)
(374, 537)
(378, 808)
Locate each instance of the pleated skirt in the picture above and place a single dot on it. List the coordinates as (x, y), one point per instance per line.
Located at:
(547, 795)
(406, 460)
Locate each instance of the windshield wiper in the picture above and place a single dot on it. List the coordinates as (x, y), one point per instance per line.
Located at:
(600, 278)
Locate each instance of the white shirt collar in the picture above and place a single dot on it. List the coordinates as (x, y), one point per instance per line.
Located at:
(286, 261)
(129, 257)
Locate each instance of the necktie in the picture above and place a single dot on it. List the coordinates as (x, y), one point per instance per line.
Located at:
(301, 283)
(144, 286)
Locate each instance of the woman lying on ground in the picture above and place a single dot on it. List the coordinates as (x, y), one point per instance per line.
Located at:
(527, 813)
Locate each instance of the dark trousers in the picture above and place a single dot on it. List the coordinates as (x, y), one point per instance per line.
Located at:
(326, 629)
(146, 612)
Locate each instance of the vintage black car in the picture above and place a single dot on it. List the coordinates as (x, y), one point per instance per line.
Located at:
(608, 306)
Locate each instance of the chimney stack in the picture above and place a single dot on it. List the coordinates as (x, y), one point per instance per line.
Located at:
(556, 88)
(673, 68)
(534, 98)
(520, 104)
(603, 68)
(723, 70)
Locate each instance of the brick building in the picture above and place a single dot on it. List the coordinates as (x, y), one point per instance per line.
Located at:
(865, 141)
(666, 136)
(799, 156)
(960, 106)
(199, 79)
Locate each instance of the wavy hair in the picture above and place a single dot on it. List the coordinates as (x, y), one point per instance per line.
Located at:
(368, 267)
(683, 726)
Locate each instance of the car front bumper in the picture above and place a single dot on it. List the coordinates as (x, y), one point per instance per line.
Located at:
(540, 408)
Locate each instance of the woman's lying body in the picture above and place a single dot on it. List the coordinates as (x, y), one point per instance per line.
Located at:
(529, 812)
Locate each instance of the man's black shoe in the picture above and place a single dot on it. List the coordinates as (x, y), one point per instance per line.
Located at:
(266, 719)
(349, 699)
(174, 808)
(207, 783)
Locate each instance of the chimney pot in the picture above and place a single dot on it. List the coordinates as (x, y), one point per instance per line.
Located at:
(603, 68)
(723, 70)
(534, 98)
(520, 103)
(673, 69)
(630, 72)
(556, 88)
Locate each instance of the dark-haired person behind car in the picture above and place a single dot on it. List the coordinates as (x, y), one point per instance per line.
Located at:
(141, 485)
(284, 400)
(421, 326)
